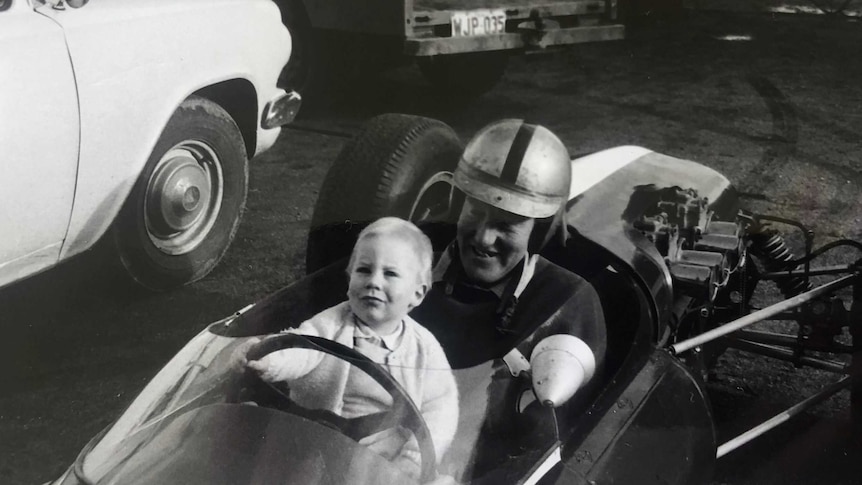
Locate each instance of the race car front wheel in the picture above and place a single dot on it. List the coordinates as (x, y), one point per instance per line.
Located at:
(380, 172)
(185, 207)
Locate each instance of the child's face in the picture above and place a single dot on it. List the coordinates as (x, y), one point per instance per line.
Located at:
(384, 282)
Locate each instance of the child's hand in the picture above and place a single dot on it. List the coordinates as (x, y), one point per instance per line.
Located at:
(277, 366)
(265, 368)
(239, 356)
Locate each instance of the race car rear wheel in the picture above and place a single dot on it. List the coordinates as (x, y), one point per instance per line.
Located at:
(185, 207)
(378, 173)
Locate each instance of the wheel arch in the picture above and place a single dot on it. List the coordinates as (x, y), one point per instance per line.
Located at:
(239, 98)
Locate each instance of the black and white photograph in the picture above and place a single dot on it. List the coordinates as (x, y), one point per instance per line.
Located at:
(430, 242)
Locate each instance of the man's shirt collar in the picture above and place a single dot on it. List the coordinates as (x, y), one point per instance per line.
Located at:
(449, 266)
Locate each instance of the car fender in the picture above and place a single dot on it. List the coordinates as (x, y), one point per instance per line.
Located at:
(39, 136)
(161, 52)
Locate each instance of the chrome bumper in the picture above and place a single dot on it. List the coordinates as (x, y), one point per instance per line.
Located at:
(530, 39)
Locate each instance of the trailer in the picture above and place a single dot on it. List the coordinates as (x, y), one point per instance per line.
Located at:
(461, 46)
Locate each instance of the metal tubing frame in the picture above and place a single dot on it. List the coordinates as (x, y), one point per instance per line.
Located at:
(782, 417)
(786, 355)
(825, 270)
(769, 338)
(784, 340)
(761, 315)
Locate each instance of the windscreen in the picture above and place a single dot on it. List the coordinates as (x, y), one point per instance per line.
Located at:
(321, 412)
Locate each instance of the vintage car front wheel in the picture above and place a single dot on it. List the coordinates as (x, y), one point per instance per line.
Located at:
(185, 207)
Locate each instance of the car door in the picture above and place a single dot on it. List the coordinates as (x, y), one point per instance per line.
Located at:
(39, 139)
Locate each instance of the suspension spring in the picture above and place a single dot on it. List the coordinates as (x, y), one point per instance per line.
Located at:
(770, 248)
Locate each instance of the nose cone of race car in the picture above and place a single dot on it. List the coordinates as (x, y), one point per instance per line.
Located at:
(560, 364)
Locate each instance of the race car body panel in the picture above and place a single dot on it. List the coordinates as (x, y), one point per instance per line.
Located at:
(663, 392)
(226, 444)
(614, 189)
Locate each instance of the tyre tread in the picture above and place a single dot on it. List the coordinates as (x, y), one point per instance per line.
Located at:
(360, 184)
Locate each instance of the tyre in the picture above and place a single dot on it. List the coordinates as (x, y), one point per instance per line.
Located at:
(468, 74)
(380, 172)
(185, 207)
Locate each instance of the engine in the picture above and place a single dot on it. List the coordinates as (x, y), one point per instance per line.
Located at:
(707, 258)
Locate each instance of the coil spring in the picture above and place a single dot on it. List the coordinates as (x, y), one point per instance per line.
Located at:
(773, 252)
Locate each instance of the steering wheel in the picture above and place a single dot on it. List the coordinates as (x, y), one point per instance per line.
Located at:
(404, 410)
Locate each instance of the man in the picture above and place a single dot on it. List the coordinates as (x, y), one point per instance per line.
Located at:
(495, 298)
(490, 285)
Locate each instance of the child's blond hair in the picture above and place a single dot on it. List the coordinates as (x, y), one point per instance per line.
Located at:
(407, 231)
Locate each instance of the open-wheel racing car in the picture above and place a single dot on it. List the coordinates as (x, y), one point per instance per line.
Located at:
(675, 261)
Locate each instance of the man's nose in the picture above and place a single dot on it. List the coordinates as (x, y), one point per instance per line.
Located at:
(485, 234)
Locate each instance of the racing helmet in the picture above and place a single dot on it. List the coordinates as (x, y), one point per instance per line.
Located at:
(519, 167)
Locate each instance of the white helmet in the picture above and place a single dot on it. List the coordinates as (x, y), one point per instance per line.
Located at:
(517, 167)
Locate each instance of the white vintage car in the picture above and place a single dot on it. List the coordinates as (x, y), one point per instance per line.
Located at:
(138, 118)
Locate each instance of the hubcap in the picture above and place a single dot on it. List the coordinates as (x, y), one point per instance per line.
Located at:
(183, 197)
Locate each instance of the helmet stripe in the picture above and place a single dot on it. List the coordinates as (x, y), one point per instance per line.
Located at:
(516, 153)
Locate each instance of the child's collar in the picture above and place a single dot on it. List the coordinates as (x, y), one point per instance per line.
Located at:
(390, 341)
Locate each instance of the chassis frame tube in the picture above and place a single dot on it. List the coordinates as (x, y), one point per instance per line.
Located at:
(786, 355)
(782, 417)
(788, 341)
(825, 270)
(761, 315)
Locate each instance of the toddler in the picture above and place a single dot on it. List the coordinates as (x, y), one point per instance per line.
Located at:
(389, 274)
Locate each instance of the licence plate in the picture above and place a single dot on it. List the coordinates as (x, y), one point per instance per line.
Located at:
(478, 22)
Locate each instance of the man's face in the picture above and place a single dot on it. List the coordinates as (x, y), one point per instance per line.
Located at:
(491, 241)
(384, 282)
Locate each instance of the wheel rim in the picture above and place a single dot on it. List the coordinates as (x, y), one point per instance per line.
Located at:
(183, 197)
(434, 202)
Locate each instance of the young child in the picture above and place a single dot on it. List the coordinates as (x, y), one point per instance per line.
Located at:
(390, 273)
